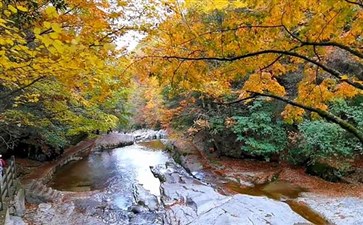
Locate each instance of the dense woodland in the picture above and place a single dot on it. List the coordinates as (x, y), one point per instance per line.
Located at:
(264, 79)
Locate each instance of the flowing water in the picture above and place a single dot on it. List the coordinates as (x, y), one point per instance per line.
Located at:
(116, 171)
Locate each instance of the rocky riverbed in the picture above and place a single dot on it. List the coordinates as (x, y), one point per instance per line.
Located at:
(319, 201)
(182, 200)
(200, 192)
(189, 201)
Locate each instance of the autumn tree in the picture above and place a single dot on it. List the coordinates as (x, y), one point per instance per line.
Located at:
(61, 72)
(250, 49)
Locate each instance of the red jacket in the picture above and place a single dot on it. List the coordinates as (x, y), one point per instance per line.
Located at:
(2, 163)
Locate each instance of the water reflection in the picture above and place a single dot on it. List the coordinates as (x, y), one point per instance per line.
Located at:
(124, 166)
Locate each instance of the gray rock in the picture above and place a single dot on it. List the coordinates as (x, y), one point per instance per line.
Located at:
(145, 198)
(19, 203)
(188, 201)
(44, 207)
(113, 140)
(61, 214)
(338, 210)
(136, 209)
(143, 135)
(16, 220)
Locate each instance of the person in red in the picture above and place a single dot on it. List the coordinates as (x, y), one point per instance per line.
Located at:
(2, 165)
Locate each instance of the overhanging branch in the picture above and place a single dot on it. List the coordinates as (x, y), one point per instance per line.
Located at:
(359, 3)
(21, 88)
(331, 71)
(237, 101)
(325, 114)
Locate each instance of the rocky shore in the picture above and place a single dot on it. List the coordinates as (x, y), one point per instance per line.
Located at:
(320, 201)
(189, 201)
(194, 190)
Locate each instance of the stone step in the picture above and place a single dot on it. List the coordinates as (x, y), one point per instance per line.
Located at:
(38, 192)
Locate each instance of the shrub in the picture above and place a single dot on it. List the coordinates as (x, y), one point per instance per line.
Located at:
(261, 133)
(323, 139)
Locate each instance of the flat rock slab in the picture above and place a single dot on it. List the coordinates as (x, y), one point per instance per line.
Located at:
(113, 140)
(338, 210)
(188, 201)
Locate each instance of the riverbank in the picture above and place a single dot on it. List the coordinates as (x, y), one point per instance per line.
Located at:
(30, 170)
(46, 204)
(320, 201)
(308, 198)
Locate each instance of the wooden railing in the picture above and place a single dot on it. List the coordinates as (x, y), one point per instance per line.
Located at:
(7, 183)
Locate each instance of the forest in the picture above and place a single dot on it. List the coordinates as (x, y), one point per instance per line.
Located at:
(276, 81)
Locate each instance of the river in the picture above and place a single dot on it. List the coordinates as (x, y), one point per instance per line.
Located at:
(100, 170)
(117, 187)
(121, 188)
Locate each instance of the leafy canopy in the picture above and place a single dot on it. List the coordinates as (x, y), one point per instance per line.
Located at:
(60, 70)
(287, 50)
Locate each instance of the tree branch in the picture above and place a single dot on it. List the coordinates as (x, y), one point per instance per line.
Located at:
(325, 114)
(355, 3)
(22, 88)
(325, 44)
(237, 101)
(331, 71)
(335, 44)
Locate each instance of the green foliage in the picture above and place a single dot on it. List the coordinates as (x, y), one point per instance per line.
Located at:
(324, 139)
(183, 121)
(261, 134)
(352, 112)
(216, 125)
(54, 136)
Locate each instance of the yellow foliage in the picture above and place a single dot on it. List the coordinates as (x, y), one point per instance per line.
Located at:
(215, 47)
(12, 9)
(22, 8)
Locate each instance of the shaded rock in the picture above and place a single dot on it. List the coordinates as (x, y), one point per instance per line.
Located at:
(136, 209)
(145, 218)
(191, 163)
(145, 198)
(19, 203)
(354, 177)
(36, 192)
(329, 169)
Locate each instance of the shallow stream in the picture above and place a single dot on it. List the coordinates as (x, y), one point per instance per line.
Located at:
(117, 171)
